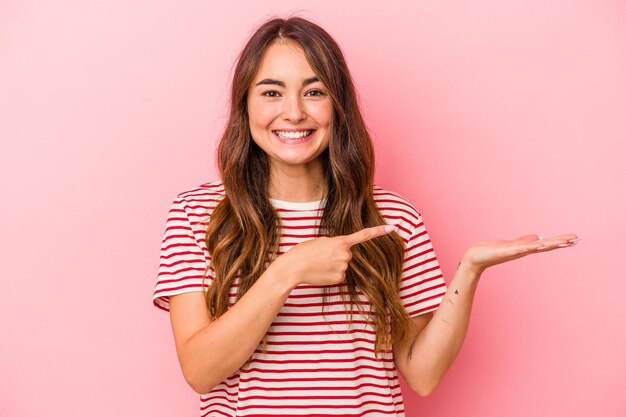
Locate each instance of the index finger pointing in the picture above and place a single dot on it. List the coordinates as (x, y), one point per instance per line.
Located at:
(368, 234)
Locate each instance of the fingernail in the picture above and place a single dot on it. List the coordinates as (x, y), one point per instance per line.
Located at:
(574, 240)
(390, 228)
(540, 237)
(563, 245)
(542, 248)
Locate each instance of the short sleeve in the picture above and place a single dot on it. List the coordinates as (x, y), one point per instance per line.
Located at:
(422, 287)
(184, 258)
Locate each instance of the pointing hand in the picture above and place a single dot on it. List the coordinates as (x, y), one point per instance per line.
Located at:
(324, 260)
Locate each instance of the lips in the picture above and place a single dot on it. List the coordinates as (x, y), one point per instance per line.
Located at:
(294, 136)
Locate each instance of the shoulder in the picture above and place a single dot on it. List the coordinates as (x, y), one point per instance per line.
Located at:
(199, 202)
(393, 201)
(397, 210)
(209, 190)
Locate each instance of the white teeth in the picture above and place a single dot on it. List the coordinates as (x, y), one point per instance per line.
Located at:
(293, 135)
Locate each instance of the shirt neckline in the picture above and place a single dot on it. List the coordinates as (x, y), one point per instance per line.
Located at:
(292, 205)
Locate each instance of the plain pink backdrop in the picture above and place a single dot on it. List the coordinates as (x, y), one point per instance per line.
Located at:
(496, 119)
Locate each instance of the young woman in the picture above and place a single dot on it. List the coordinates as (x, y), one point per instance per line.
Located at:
(295, 286)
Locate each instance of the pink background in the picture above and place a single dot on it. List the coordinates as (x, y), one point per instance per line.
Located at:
(496, 119)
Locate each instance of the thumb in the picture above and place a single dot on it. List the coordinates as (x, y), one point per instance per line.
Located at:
(529, 238)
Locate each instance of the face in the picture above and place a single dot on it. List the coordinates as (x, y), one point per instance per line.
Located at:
(290, 111)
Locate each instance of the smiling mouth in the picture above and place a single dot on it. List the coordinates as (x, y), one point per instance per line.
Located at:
(293, 135)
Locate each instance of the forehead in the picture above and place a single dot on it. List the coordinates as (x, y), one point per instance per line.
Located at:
(284, 60)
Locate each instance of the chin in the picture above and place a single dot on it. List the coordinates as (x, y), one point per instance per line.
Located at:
(294, 160)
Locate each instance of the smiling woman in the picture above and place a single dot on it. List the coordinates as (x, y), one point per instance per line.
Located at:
(295, 286)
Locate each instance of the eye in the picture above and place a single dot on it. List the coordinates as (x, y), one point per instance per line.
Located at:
(315, 93)
(270, 93)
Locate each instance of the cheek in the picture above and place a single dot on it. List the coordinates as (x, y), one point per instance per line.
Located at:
(260, 115)
(323, 113)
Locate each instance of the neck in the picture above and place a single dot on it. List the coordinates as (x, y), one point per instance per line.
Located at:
(297, 183)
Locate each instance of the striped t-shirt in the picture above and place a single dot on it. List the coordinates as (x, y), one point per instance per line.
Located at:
(315, 363)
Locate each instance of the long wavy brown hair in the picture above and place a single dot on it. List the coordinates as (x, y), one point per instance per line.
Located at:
(244, 229)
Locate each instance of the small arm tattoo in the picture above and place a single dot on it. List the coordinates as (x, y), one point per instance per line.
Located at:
(456, 292)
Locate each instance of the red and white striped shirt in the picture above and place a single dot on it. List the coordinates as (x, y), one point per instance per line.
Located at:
(316, 364)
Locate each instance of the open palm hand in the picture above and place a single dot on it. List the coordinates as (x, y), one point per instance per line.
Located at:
(486, 253)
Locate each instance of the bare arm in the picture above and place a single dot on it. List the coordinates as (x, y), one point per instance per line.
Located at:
(435, 343)
(210, 351)
(437, 338)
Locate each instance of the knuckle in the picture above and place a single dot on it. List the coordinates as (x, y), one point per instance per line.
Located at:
(338, 240)
(345, 246)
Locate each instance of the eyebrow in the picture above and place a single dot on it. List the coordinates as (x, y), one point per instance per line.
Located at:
(282, 84)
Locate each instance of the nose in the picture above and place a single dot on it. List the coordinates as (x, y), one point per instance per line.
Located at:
(293, 110)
